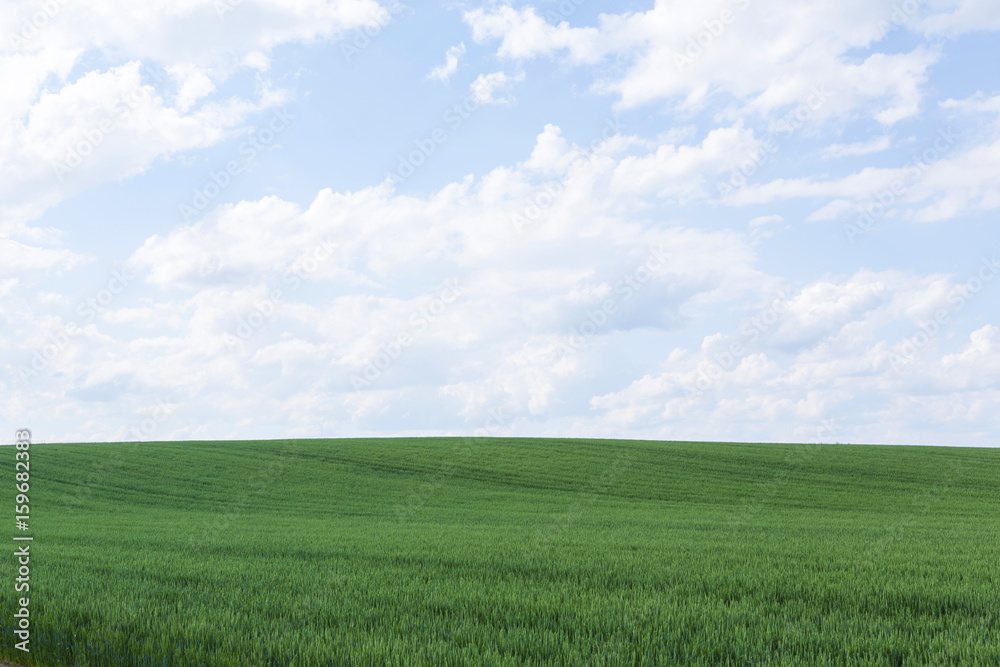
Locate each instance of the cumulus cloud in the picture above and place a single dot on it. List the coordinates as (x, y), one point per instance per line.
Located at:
(97, 91)
(525, 34)
(266, 298)
(768, 57)
(807, 357)
(106, 126)
(597, 286)
(19, 258)
(322, 290)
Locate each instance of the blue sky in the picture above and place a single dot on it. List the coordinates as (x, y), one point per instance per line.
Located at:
(727, 220)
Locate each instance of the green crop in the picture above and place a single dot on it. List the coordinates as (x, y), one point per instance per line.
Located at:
(443, 551)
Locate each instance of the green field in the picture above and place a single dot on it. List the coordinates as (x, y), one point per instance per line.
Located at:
(509, 552)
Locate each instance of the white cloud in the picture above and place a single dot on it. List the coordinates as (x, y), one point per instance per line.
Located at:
(104, 126)
(193, 82)
(767, 56)
(980, 358)
(551, 152)
(20, 258)
(978, 103)
(874, 145)
(763, 227)
(357, 269)
(525, 334)
(485, 87)
(207, 33)
(557, 319)
(525, 34)
(961, 16)
(63, 135)
(823, 353)
(450, 66)
(765, 220)
(683, 171)
(958, 181)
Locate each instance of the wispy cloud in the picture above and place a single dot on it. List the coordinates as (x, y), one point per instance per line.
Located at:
(876, 145)
(450, 66)
(486, 86)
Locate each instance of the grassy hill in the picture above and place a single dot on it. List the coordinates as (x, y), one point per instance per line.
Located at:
(510, 552)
